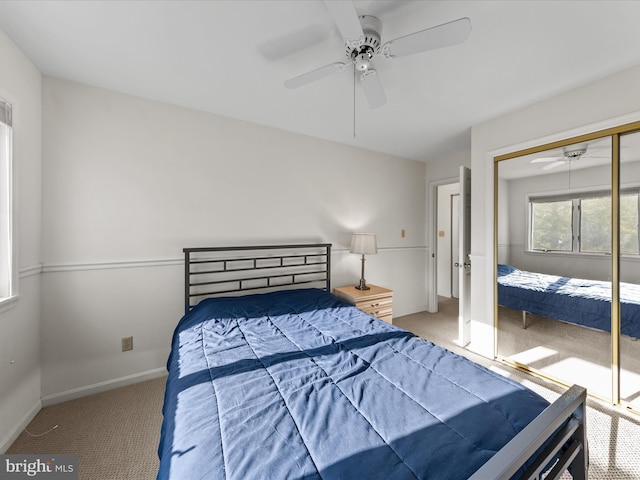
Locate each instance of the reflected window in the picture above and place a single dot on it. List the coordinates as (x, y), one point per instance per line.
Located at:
(551, 225)
(629, 207)
(595, 224)
(582, 223)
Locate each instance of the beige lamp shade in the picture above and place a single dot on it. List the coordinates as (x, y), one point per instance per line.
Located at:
(364, 243)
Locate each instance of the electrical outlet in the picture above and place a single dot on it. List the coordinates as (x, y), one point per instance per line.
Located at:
(127, 344)
(402, 233)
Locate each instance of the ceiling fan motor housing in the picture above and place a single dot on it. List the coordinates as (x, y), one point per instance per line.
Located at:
(362, 54)
(575, 152)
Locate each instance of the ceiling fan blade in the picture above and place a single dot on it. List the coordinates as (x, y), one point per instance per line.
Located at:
(314, 75)
(440, 36)
(546, 159)
(553, 165)
(372, 87)
(346, 19)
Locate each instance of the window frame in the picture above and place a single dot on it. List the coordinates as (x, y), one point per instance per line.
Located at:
(531, 201)
(576, 218)
(9, 292)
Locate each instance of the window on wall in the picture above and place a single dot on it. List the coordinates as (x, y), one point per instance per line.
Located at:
(582, 223)
(7, 273)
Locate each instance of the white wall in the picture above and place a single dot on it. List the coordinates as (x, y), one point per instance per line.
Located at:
(20, 373)
(607, 102)
(127, 183)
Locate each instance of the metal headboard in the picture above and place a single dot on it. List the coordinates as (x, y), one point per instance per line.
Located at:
(210, 271)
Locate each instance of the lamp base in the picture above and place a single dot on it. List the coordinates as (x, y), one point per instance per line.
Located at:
(362, 285)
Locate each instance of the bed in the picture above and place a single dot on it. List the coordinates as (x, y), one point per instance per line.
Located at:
(288, 381)
(574, 300)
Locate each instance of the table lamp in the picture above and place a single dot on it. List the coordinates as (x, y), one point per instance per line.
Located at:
(363, 244)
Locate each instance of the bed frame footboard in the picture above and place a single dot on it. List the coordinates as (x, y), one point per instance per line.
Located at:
(560, 430)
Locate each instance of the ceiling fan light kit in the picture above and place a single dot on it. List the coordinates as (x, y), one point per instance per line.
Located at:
(362, 39)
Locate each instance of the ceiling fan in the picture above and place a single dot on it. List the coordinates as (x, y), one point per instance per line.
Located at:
(362, 39)
(571, 153)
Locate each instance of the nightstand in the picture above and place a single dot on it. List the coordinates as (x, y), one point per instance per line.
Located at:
(377, 301)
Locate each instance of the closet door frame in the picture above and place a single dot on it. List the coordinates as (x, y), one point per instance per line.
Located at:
(615, 133)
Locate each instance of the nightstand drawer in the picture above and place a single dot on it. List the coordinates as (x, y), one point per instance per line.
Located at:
(378, 311)
(375, 304)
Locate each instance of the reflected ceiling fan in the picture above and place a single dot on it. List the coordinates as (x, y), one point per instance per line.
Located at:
(571, 153)
(362, 39)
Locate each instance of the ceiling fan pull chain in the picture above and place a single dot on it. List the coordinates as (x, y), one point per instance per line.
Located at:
(354, 102)
(570, 162)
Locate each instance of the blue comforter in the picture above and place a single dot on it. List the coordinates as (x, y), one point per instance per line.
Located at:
(573, 300)
(300, 385)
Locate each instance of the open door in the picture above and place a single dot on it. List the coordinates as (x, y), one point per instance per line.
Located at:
(464, 263)
(455, 245)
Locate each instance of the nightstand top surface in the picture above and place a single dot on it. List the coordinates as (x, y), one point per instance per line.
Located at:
(374, 290)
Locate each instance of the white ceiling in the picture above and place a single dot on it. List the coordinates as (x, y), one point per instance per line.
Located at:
(231, 58)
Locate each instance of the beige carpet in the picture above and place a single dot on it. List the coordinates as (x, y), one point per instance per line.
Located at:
(116, 433)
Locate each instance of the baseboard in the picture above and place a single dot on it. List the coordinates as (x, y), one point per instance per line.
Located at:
(9, 439)
(102, 386)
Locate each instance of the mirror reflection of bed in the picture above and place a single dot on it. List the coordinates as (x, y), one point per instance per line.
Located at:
(554, 219)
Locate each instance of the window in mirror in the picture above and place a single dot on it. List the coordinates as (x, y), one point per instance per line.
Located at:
(595, 224)
(629, 207)
(551, 225)
(581, 223)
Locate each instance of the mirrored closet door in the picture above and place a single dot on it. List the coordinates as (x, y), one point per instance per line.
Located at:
(629, 261)
(554, 272)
